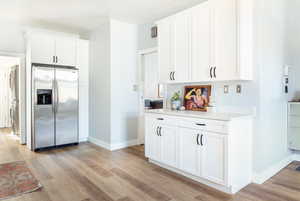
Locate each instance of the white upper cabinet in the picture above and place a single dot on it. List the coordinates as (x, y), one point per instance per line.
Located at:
(42, 49)
(52, 48)
(224, 32)
(181, 43)
(165, 51)
(66, 50)
(211, 41)
(201, 45)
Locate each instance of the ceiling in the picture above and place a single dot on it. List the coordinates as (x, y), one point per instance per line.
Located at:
(86, 15)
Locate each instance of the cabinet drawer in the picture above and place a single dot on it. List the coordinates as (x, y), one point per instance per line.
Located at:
(205, 125)
(163, 119)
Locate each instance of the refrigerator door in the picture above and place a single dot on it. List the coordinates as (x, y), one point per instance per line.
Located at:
(43, 101)
(67, 106)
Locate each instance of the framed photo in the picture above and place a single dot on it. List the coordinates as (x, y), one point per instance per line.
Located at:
(196, 98)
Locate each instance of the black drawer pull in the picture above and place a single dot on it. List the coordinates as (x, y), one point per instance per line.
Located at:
(201, 124)
(160, 119)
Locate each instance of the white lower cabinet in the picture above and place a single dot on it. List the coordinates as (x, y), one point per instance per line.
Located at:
(189, 152)
(214, 157)
(168, 143)
(210, 152)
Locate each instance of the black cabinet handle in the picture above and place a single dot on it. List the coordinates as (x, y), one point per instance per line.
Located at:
(160, 119)
(56, 59)
(198, 139)
(215, 72)
(201, 140)
(159, 131)
(201, 124)
(170, 76)
(53, 59)
(174, 75)
(210, 72)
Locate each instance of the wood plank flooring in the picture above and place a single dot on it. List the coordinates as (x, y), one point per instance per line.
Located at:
(89, 173)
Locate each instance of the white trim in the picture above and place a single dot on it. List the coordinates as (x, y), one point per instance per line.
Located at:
(112, 147)
(296, 157)
(83, 139)
(99, 143)
(260, 178)
(123, 145)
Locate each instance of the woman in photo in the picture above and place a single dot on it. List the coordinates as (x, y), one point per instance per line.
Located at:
(196, 99)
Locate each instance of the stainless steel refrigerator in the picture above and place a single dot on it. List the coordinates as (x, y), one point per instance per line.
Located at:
(55, 106)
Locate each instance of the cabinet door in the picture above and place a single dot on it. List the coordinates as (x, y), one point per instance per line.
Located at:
(182, 38)
(214, 158)
(66, 51)
(42, 49)
(189, 151)
(152, 141)
(225, 39)
(165, 49)
(168, 137)
(201, 42)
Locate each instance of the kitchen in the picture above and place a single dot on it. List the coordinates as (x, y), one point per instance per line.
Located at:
(208, 66)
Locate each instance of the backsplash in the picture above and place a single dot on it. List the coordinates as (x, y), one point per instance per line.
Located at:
(224, 102)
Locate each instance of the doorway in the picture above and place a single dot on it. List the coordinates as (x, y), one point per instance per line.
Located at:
(150, 89)
(11, 95)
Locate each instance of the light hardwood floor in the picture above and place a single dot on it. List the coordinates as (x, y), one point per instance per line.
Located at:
(89, 173)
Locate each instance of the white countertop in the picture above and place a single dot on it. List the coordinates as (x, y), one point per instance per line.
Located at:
(201, 115)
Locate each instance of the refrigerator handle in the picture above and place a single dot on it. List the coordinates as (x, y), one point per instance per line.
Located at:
(57, 96)
(53, 95)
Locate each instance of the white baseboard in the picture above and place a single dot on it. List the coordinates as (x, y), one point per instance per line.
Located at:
(296, 157)
(113, 147)
(122, 145)
(260, 178)
(83, 139)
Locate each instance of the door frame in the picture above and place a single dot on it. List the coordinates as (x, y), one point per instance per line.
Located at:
(141, 124)
(22, 92)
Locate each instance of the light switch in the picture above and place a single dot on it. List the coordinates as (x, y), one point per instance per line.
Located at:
(239, 89)
(226, 89)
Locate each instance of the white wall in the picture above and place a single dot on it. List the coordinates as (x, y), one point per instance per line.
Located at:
(265, 93)
(113, 74)
(11, 38)
(83, 66)
(124, 100)
(145, 41)
(100, 84)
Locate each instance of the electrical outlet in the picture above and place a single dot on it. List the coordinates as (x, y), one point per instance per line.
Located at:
(226, 89)
(239, 89)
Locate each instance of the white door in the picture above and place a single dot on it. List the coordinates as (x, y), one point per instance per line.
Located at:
(182, 46)
(151, 75)
(66, 51)
(165, 49)
(214, 157)
(168, 137)
(225, 39)
(153, 140)
(201, 42)
(42, 49)
(189, 151)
